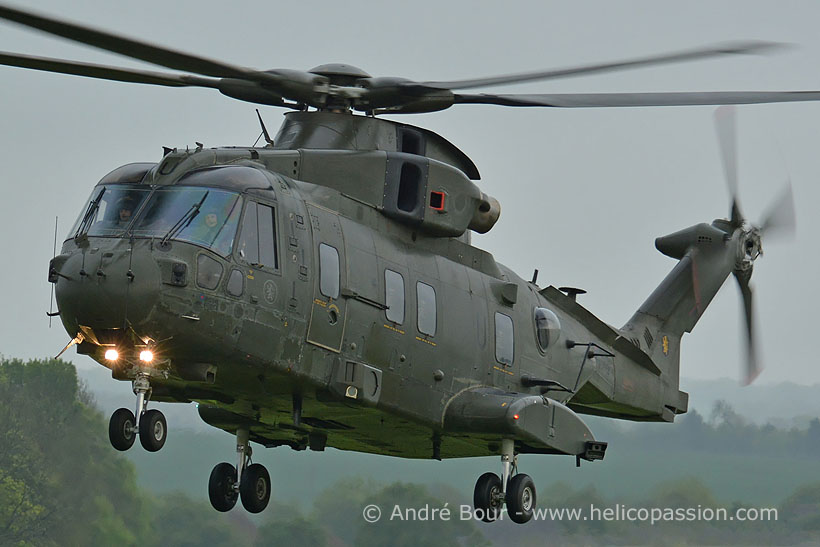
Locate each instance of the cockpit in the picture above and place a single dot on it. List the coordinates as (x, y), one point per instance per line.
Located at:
(202, 208)
(207, 217)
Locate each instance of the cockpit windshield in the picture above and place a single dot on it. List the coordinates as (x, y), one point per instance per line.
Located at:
(204, 216)
(109, 210)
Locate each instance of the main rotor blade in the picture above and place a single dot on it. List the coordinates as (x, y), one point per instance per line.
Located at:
(606, 100)
(129, 47)
(752, 369)
(780, 218)
(297, 85)
(731, 48)
(104, 72)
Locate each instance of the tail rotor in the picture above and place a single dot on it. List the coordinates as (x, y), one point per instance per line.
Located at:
(779, 220)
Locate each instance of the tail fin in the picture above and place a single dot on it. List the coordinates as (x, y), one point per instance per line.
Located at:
(707, 254)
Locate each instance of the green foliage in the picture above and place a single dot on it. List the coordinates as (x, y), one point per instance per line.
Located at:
(340, 506)
(689, 492)
(178, 520)
(19, 516)
(60, 483)
(405, 523)
(296, 531)
(337, 518)
(802, 509)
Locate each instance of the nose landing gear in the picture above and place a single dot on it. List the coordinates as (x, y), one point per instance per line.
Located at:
(150, 425)
(253, 486)
(517, 492)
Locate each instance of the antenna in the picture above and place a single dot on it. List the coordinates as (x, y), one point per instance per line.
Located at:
(54, 254)
(264, 129)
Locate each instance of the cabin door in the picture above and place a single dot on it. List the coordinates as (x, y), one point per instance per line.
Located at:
(327, 317)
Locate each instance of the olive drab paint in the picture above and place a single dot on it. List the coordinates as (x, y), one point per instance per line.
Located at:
(314, 319)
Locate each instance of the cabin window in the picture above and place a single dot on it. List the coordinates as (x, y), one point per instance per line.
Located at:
(257, 243)
(426, 296)
(236, 283)
(504, 339)
(394, 296)
(208, 272)
(547, 328)
(328, 271)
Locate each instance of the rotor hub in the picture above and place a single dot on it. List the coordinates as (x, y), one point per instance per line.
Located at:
(749, 250)
(340, 73)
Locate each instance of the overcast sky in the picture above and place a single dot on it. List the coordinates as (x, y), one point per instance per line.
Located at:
(583, 192)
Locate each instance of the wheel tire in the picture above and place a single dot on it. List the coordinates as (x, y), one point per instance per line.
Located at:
(520, 498)
(486, 497)
(153, 430)
(121, 429)
(220, 487)
(254, 489)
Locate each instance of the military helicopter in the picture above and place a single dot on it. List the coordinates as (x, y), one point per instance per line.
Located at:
(322, 290)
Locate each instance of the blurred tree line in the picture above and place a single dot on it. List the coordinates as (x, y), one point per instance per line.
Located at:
(62, 484)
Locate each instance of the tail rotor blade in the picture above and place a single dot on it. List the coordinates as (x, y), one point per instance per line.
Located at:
(727, 138)
(780, 218)
(752, 366)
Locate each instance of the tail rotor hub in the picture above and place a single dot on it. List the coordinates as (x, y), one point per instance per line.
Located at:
(749, 250)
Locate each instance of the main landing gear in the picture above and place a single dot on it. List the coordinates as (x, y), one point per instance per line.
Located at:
(123, 427)
(253, 486)
(517, 492)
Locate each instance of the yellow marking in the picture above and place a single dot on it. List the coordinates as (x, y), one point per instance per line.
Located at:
(320, 302)
(665, 345)
(425, 341)
(250, 276)
(504, 371)
(394, 329)
(334, 307)
(503, 404)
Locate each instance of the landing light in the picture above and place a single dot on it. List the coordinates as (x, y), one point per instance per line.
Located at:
(111, 355)
(146, 356)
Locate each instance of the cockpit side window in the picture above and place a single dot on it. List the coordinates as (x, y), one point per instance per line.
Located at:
(249, 237)
(257, 241)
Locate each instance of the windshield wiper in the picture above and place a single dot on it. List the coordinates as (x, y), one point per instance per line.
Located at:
(85, 224)
(189, 216)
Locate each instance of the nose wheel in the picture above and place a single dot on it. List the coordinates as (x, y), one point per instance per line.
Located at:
(121, 429)
(153, 430)
(253, 486)
(150, 425)
(493, 492)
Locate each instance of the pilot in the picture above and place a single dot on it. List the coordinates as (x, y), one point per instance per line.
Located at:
(211, 220)
(207, 229)
(125, 208)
